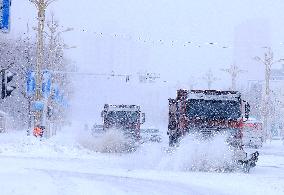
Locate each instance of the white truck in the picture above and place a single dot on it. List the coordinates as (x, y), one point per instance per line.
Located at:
(128, 118)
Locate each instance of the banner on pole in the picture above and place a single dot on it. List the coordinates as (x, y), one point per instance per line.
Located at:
(46, 84)
(58, 96)
(31, 84)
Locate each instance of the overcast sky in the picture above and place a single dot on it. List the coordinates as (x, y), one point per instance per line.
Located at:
(244, 26)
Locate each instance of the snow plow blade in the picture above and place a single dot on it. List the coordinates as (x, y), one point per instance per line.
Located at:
(249, 163)
(147, 135)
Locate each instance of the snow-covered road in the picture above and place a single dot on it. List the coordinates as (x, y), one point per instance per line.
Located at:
(29, 166)
(82, 176)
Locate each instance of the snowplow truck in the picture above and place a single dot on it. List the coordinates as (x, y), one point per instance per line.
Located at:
(128, 118)
(206, 113)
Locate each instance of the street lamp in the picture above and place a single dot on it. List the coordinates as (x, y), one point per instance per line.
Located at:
(234, 71)
(268, 61)
(41, 6)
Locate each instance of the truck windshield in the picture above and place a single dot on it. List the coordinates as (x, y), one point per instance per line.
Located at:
(123, 118)
(213, 109)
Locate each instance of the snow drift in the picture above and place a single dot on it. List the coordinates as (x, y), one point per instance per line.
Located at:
(212, 155)
(111, 141)
(200, 155)
(17, 142)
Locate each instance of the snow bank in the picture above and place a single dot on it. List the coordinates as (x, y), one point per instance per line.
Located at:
(17, 143)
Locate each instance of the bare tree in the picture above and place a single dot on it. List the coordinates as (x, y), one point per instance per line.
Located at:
(14, 56)
(57, 65)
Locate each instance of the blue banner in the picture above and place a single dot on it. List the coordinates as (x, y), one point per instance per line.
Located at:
(5, 15)
(58, 96)
(46, 83)
(31, 83)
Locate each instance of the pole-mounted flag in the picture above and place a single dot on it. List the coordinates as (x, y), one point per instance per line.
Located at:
(31, 83)
(46, 84)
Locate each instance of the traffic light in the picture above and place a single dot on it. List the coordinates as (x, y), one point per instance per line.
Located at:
(7, 77)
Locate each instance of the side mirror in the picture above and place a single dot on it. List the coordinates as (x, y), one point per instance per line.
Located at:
(142, 118)
(247, 110)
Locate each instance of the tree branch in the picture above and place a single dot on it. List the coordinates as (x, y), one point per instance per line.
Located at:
(48, 2)
(259, 59)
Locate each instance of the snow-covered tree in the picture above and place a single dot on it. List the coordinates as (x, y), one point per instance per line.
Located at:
(19, 57)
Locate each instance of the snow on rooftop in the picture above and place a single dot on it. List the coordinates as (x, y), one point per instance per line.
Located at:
(122, 107)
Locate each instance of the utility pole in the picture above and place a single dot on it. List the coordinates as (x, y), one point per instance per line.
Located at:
(29, 98)
(268, 61)
(209, 78)
(41, 6)
(234, 71)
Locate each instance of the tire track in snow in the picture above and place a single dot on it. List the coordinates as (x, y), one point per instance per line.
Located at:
(125, 184)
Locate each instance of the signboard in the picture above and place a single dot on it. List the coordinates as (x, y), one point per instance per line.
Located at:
(5, 15)
(58, 96)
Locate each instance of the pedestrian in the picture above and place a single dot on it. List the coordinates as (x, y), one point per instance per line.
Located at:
(38, 132)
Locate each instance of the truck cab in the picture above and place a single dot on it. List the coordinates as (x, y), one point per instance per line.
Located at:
(207, 113)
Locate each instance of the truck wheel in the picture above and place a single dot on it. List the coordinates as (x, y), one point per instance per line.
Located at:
(247, 169)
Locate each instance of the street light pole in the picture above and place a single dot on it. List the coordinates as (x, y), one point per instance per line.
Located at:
(41, 6)
(234, 71)
(268, 62)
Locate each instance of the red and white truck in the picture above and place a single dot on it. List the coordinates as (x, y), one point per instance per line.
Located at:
(206, 113)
